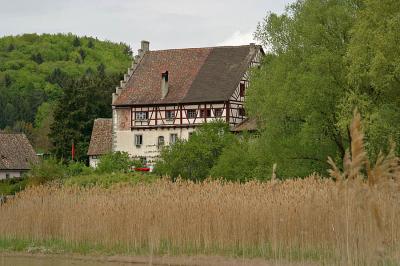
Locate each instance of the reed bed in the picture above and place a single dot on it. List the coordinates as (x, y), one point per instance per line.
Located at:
(349, 221)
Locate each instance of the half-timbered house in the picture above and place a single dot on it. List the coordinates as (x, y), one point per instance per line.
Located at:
(166, 94)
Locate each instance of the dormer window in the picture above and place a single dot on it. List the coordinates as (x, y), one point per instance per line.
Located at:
(140, 116)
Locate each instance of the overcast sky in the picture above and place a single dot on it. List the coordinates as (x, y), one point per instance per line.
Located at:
(165, 23)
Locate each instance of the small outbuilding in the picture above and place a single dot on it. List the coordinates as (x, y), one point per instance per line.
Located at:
(247, 125)
(101, 140)
(16, 155)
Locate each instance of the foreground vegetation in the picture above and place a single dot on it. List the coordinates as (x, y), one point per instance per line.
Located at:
(351, 218)
(311, 219)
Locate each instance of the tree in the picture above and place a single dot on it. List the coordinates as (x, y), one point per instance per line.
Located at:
(83, 100)
(194, 158)
(101, 70)
(297, 90)
(76, 42)
(373, 61)
(90, 44)
(82, 54)
(37, 58)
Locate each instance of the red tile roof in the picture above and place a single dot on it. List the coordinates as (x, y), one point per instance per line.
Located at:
(16, 153)
(195, 75)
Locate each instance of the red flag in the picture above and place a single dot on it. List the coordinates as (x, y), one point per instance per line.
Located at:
(73, 151)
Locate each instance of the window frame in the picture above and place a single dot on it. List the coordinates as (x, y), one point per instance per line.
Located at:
(169, 115)
(159, 143)
(191, 111)
(173, 140)
(138, 113)
(218, 112)
(138, 136)
(207, 111)
(242, 89)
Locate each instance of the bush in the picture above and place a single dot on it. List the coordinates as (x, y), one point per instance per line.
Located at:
(78, 168)
(47, 170)
(108, 179)
(12, 186)
(238, 162)
(115, 162)
(194, 158)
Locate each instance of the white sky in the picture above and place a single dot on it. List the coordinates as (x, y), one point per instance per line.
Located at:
(166, 24)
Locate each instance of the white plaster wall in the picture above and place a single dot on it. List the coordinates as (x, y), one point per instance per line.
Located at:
(149, 148)
(93, 161)
(12, 174)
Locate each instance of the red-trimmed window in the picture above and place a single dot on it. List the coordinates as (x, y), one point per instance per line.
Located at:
(191, 113)
(218, 112)
(203, 112)
(169, 115)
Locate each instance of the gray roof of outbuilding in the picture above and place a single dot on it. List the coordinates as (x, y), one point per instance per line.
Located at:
(101, 140)
(16, 152)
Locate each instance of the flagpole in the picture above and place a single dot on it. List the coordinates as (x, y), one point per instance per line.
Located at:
(73, 150)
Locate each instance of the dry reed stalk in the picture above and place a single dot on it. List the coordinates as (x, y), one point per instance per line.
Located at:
(292, 215)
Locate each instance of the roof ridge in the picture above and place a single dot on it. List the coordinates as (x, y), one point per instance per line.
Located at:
(206, 47)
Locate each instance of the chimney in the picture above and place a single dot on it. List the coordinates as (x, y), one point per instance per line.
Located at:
(164, 84)
(145, 46)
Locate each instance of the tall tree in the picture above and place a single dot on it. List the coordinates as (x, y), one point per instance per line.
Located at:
(300, 83)
(83, 101)
(374, 73)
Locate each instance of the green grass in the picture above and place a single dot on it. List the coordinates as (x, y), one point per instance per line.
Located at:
(57, 246)
(108, 179)
(12, 186)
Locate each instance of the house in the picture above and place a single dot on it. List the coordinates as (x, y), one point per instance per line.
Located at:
(100, 141)
(166, 94)
(16, 155)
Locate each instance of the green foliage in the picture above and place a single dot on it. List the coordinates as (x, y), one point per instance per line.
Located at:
(33, 68)
(108, 179)
(193, 159)
(77, 168)
(46, 171)
(115, 162)
(83, 100)
(328, 57)
(12, 186)
(298, 88)
(238, 161)
(373, 61)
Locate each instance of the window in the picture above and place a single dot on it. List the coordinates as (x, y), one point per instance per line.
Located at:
(192, 113)
(161, 141)
(242, 89)
(141, 115)
(190, 134)
(138, 140)
(202, 112)
(169, 115)
(218, 112)
(7, 175)
(242, 112)
(173, 138)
